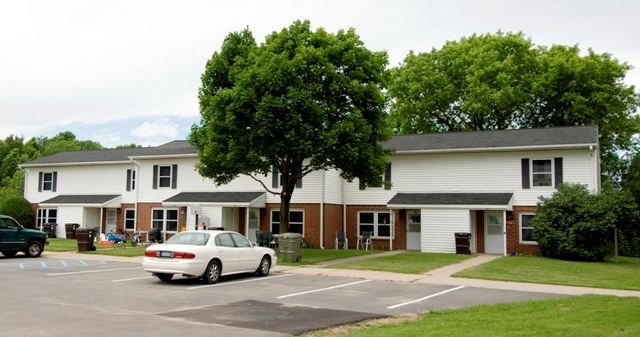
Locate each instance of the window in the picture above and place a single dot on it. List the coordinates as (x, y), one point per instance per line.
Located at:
(46, 215)
(7, 223)
(165, 219)
(277, 177)
(541, 172)
(526, 228)
(377, 222)
(165, 176)
(131, 180)
(383, 178)
(296, 222)
(47, 181)
(130, 219)
(224, 240)
(240, 240)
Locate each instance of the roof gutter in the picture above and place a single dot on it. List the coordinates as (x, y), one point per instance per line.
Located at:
(493, 149)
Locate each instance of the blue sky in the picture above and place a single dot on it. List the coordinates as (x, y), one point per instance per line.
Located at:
(121, 72)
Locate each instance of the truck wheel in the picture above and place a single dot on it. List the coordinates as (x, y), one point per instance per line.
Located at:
(34, 249)
(9, 253)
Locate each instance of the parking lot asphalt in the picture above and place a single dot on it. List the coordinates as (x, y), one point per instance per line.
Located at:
(70, 294)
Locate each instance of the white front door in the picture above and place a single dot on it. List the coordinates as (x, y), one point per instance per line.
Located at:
(413, 230)
(254, 224)
(111, 221)
(493, 232)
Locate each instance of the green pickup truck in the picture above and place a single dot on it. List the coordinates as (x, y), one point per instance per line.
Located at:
(15, 238)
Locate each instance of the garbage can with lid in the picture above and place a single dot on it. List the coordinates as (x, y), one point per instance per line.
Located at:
(70, 230)
(289, 244)
(50, 229)
(463, 242)
(85, 238)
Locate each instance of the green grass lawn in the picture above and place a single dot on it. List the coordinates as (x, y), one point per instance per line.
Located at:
(588, 315)
(71, 245)
(406, 263)
(312, 256)
(62, 245)
(534, 269)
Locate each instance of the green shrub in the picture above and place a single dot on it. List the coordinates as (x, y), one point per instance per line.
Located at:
(575, 224)
(18, 208)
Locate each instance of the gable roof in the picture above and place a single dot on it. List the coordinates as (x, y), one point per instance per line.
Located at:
(557, 137)
(239, 199)
(423, 200)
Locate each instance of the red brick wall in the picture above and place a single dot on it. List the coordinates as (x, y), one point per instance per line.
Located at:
(143, 217)
(513, 232)
(400, 241)
(480, 231)
(332, 224)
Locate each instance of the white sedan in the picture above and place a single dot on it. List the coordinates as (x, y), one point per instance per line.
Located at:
(207, 254)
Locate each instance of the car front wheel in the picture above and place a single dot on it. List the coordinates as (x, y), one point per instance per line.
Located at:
(34, 249)
(265, 266)
(212, 273)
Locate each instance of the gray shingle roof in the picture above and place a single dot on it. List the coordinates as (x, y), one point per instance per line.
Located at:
(212, 197)
(451, 199)
(569, 135)
(81, 199)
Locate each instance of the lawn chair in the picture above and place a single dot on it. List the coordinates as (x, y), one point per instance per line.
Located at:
(259, 238)
(341, 238)
(365, 241)
(268, 239)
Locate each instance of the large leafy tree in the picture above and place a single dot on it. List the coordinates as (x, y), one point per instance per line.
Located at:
(502, 80)
(301, 101)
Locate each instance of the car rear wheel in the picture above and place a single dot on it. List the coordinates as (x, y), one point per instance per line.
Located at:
(164, 277)
(212, 273)
(34, 249)
(265, 266)
(9, 253)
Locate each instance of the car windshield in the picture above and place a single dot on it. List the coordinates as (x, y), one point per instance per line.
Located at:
(199, 239)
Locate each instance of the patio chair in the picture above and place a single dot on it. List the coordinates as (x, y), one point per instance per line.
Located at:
(259, 238)
(268, 239)
(341, 238)
(365, 241)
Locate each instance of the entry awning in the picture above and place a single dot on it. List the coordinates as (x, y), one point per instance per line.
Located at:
(84, 200)
(477, 201)
(226, 199)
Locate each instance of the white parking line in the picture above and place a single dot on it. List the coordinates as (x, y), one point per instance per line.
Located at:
(231, 283)
(132, 279)
(424, 298)
(323, 289)
(92, 271)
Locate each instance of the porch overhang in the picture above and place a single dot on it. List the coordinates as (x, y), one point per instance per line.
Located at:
(475, 201)
(223, 199)
(84, 200)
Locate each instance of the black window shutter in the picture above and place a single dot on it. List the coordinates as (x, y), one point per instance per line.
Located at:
(274, 179)
(174, 176)
(40, 175)
(155, 177)
(387, 176)
(525, 173)
(299, 181)
(362, 185)
(558, 171)
(55, 182)
(129, 180)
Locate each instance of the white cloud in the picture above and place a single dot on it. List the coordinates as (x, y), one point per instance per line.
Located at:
(156, 132)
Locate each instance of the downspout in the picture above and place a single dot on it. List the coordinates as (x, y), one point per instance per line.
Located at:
(322, 212)
(135, 203)
(344, 209)
(504, 230)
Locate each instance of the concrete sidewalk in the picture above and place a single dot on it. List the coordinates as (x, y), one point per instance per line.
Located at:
(442, 276)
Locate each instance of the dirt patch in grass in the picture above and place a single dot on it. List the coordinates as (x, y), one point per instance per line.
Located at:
(342, 330)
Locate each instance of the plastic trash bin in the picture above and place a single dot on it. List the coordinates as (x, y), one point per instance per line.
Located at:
(289, 244)
(85, 238)
(463, 242)
(70, 230)
(50, 229)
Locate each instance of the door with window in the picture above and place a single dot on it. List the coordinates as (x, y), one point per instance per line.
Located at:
(494, 232)
(254, 224)
(111, 221)
(413, 230)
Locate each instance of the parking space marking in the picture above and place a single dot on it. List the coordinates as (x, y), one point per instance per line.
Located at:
(20, 265)
(323, 289)
(63, 263)
(245, 281)
(132, 279)
(92, 271)
(44, 265)
(425, 298)
(82, 262)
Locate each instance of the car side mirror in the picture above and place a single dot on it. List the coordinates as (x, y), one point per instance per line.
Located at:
(253, 244)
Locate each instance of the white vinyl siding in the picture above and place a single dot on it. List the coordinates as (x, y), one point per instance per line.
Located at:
(473, 172)
(439, 227)
(68, 214)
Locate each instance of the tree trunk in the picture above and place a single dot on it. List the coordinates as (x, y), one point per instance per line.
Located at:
(289, 179)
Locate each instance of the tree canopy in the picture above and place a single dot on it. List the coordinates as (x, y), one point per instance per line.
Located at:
(301, 101)
(503, 81)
